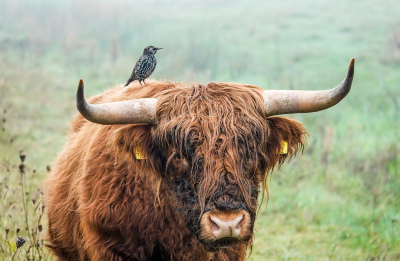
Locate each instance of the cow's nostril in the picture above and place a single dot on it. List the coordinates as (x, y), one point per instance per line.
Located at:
(239, 225)
(213, 224)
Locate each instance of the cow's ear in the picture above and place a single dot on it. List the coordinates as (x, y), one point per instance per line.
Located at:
(134, 144)
(286, 137)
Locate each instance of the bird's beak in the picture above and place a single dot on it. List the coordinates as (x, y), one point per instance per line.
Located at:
(158, 48)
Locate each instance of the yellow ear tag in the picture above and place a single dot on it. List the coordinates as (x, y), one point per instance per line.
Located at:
(283, 147)
(139, 153)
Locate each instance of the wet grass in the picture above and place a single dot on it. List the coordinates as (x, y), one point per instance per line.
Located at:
(21, 206)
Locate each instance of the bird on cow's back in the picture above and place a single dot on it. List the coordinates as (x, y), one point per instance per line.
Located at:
(144, 66)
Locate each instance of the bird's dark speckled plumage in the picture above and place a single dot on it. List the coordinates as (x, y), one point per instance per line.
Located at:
(144, 66)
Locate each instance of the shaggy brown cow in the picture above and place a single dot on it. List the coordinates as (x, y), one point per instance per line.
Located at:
(172, 171)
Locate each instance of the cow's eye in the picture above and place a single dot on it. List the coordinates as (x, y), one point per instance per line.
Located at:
(178, 155)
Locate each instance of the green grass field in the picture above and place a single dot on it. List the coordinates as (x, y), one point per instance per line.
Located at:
(340, 200)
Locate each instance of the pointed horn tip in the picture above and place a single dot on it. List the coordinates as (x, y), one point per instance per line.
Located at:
(81, 85)
(352, 62)
(351, 68)
(80, 92)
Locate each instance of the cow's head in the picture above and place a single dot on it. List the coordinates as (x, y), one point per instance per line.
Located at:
(215, 145)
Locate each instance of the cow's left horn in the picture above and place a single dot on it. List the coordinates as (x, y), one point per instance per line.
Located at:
(283, 102)
(123, 112)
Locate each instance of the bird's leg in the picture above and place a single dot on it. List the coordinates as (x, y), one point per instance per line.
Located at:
(144, 82)
(140, 83)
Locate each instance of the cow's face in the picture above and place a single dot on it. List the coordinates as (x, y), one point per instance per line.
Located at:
(216, 156)
(215, 186)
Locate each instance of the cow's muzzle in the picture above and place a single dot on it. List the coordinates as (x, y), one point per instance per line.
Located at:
(221, 228)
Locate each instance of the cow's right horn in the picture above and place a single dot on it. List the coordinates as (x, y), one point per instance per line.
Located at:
(283, 102)
(122, 112)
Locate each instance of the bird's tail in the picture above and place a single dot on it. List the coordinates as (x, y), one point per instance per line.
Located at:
(128, 82)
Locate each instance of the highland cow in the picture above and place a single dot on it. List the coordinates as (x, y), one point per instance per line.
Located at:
(172, 171)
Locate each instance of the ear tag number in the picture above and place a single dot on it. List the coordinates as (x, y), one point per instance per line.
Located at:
(139, 153)
(283, 147)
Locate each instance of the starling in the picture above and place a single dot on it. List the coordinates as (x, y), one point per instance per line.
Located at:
(144, 66)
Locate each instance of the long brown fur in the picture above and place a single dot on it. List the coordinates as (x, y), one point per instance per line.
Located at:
(104, 204)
